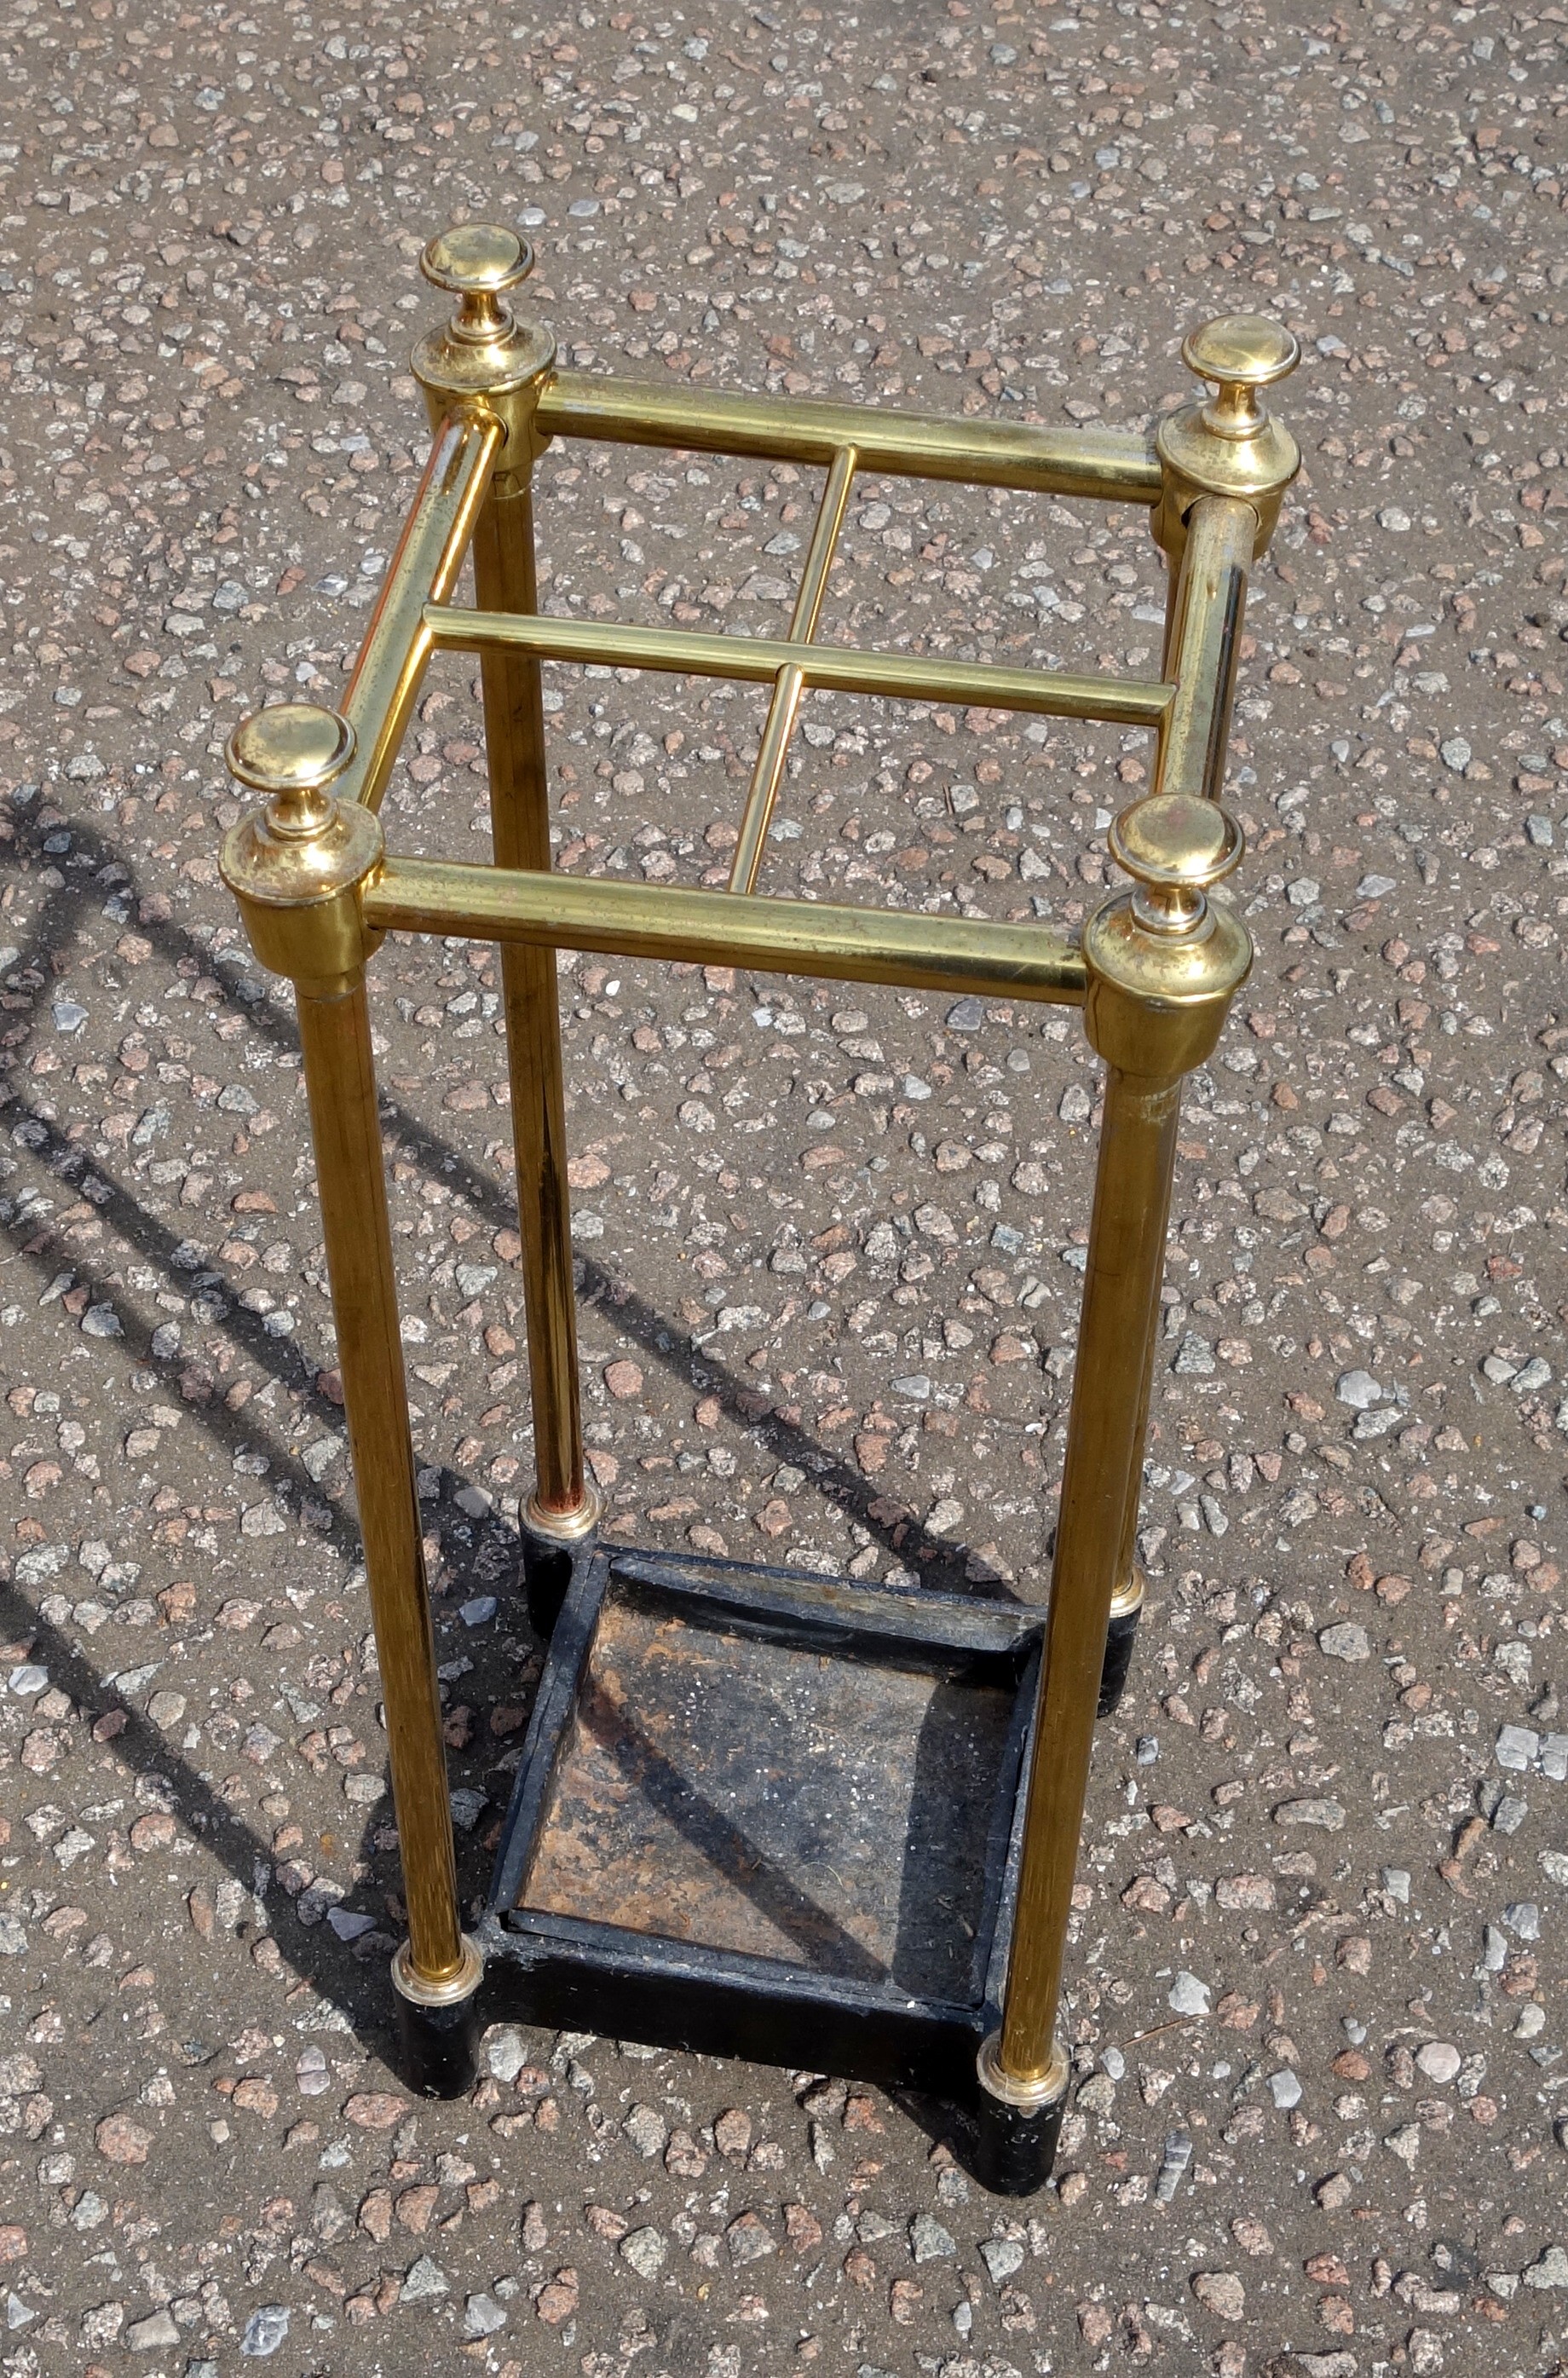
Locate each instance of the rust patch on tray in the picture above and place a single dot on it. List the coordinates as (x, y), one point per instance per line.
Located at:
(765, 1797)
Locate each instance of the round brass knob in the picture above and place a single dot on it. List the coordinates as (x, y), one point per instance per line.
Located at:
(1241, 353)
(1174, 846)
(291, 751)
(479, 263)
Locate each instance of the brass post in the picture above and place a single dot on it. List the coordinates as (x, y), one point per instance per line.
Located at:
(1162, 965)
(486, 354)
(1226, 466)
(297, 868)
(1207, 607)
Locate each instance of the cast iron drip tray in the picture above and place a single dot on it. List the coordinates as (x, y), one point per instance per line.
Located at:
(768, 1814)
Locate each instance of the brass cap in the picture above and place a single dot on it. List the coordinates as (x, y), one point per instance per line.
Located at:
(1241, 353)
(291, 751)
(479, 263)
(1230, 445)
(484, 353)
(297, 865)
(1174, 846)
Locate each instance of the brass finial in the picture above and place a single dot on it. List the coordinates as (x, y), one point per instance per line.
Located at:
(484, 354)
(1241, 353)
(296, 864)
(479, 263)
(1230, 444)
(290, 752)
(1174, 846)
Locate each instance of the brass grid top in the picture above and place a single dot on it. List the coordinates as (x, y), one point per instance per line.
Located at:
(482, 265)
(795, 662)
(494, 394)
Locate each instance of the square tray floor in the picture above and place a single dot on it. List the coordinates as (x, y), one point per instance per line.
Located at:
(768, 1814)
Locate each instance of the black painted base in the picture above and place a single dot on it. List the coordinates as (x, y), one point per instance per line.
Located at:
(548, 1568)
(1015, 2150)
(770, 1815)
(437, 2045)
(1120, 1636)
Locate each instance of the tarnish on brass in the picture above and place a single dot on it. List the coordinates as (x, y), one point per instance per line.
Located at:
(1155, 970)
(570, 1526)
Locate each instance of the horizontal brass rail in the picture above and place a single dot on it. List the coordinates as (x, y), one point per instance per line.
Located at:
(767, 936)
(898, 676)
(1104, 465)
(430, 552)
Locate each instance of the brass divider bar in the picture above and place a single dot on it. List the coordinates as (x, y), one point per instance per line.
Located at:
(790, 683)
(897, 677)
(804, 937)
(1113, 466)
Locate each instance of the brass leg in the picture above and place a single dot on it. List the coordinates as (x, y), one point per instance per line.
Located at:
(437, 1971)
(1206, 602)
(1023, 2069)
(1163, 967)
(1103, 1452)
(563, 1509)
(1127, 1600)
(298, 868)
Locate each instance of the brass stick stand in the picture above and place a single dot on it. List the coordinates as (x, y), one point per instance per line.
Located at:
(1158, 967)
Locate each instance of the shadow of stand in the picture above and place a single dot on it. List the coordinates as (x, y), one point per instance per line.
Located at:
(485, 1552)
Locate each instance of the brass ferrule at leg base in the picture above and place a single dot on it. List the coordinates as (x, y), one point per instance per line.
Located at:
(1017, 2121)
(1128, 1599)
(1030, 2093)
(563, 1527)
(438, 2023)
(445, 1989)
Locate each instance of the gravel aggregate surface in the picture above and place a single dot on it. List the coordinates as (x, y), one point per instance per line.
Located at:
(830, 1244)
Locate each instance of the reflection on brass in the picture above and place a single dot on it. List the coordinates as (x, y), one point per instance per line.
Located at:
(790, 683)
(1230, 444)
(437, 534)
(656, 921)
(1103, 465)
(897, 677)
(1158, 964)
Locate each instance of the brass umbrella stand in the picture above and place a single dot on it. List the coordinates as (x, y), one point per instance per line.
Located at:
(757, 1812)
